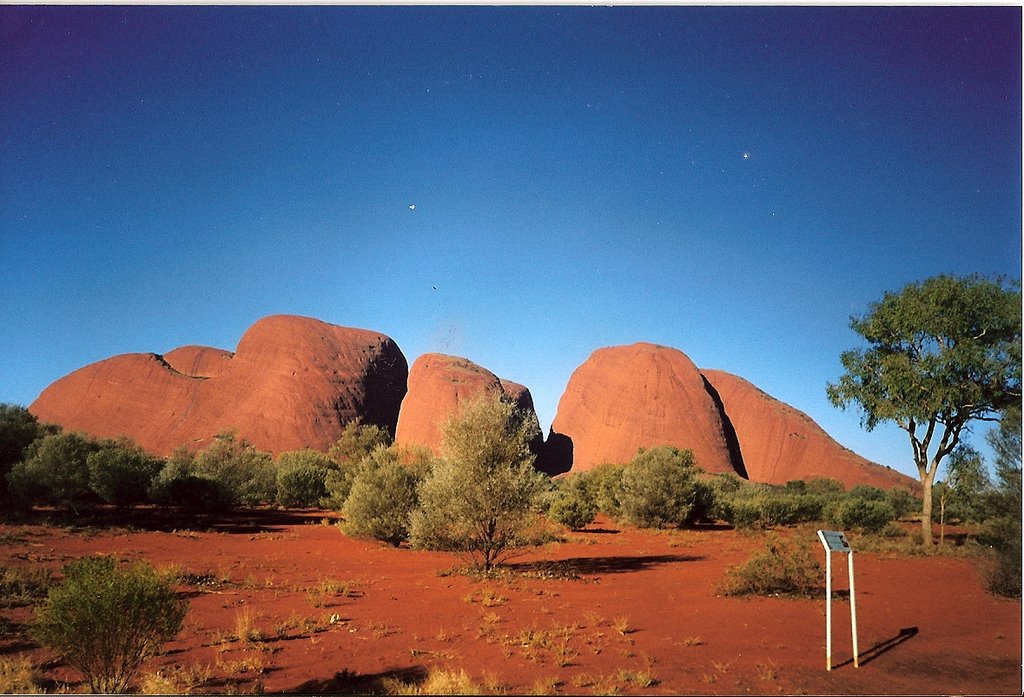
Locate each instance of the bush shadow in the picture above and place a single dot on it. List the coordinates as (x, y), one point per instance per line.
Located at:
(152, 518)
(595, 566)
(350, 683)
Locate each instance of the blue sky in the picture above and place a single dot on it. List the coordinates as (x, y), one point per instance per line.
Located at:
(733, 182)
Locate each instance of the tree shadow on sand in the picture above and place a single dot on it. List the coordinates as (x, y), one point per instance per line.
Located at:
(152, 518)
(349, 683)
(595, 566)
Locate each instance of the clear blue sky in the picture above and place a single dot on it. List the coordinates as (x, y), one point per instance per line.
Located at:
(732, 182)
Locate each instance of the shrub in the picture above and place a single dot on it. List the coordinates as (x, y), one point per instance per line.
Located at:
(245, 474)
(357, 441)
(23, 585)
(573, 504)
(866, 492)
(1003, 529)
(723, 487)
(382, 498)
(56, 470)
(106, 622)
(830, 488)
(901, 500)
(178, 484)
(782, 568)
(18, 676)
(300, 477)
(658, 487)
(604, 481)
(764, 506)
(479, 500)
(864, 515)
(18, 429)
(121, 472)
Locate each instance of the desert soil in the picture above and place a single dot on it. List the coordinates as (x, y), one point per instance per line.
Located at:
(611, 609)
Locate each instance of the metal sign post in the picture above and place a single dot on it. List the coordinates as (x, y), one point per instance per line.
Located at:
(835, 542)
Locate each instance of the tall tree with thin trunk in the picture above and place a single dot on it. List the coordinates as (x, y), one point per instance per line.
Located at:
(941, 354)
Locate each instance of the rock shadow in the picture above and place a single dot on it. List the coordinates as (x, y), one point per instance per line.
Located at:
(732, 442)
(556, 456)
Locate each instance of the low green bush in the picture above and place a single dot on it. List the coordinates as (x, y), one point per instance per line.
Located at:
(178, 484)
(861, 514)
(301, 476)
(658, 487)
(245, 474)
(382, 498)
(107, 621)
(782, 568)
(121, 472)
(23, 585)
(604, 483)
(902, 502)
(55, 471)
(573, 504)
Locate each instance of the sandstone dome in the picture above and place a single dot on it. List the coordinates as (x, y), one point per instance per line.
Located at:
(779, 443)
(438, 385)
(293, 382)
(623, 398)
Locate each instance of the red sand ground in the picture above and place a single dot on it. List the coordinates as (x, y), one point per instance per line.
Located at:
(926, 624)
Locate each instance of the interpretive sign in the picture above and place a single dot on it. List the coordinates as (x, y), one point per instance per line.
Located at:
(835, 542)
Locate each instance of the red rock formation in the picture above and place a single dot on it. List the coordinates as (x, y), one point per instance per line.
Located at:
(779, 443)
(438, 384)
(199, 361)
(627, 397)
(293, 382)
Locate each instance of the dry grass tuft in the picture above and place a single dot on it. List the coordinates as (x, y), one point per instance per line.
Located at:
(176, 680)
(438, 682)
(19, 676)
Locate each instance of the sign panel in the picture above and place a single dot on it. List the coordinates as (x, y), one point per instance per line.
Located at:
(834, 541)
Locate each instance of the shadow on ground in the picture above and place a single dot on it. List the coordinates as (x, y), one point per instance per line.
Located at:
(349, 683)
(585, 566)
(905, 634)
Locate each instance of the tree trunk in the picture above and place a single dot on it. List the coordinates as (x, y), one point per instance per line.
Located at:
(942, 520)
(926, 510)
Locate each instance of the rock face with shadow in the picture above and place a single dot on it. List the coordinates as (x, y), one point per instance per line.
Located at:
(438, 385)
(293, 382)
(779, 443)
(627, 397)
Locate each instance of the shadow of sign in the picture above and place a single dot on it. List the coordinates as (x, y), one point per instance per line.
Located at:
(905, 634)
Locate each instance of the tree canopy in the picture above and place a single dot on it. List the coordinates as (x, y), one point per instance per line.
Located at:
(941, 353)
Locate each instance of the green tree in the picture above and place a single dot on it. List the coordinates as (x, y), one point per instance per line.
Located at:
(963, 495)
(574, 504)
(55, 470)
(245, 474)
(382, 498)
(942, 353)
(355, 444)
(120, 472)
(106, 621)
(357, 440)
(178, 484)
(479, 499)
(1003, 525)
(301, 476)
(659, 487)
(18, 429)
